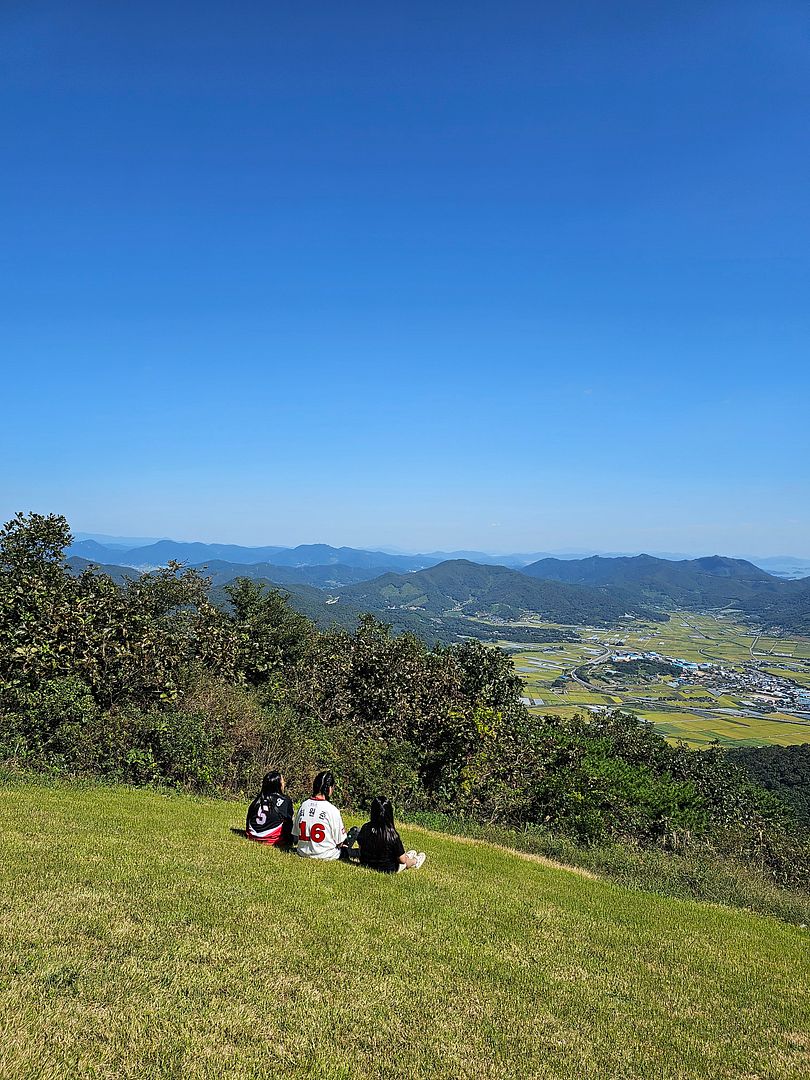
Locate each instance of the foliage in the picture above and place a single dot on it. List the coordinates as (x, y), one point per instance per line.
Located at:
(271, 636)
(147, 681)
(782, 770)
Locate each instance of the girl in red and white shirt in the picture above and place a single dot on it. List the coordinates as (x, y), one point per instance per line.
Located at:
(318, 826)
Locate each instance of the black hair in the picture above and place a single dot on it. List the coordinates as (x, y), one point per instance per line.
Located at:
(382, 820)
(322, 783)
(271, 785)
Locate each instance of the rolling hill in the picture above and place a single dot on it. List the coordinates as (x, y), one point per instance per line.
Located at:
(329, 577)
(711, 582)
(468, 588)
(149, 556)
(594, 590)
(120, 574)
(660, 578)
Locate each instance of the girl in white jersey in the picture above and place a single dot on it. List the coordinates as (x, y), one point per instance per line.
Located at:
(318, 825)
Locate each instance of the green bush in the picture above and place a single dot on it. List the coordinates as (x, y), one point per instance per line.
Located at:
(149, 682)
(367, 768)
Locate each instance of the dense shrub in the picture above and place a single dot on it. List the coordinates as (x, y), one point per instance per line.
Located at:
(149, 682)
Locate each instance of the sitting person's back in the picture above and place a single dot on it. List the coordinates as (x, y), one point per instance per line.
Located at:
(381, 847)
(319, 827)
(269, 816)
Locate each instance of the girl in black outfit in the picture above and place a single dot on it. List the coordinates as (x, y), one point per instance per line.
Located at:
(269, 816)
(380, 845)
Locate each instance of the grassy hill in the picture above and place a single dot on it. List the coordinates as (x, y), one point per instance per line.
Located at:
(141, 937)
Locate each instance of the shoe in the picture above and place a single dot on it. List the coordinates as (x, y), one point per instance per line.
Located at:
(420, 859)
(411, 854)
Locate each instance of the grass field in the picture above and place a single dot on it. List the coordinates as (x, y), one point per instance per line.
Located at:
(730, 731)
(139, 937)
(697, 638)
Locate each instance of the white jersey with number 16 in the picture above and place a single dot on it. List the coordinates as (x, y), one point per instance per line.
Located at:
(318, 829)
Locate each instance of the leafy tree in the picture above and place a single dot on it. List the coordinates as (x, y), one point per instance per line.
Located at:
(272, 637)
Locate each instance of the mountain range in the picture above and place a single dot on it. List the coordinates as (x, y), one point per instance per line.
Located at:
(146, 554)
(335, 584)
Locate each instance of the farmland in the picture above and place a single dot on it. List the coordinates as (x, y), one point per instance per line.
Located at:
(700, 706)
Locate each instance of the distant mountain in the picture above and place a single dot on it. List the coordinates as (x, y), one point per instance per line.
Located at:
(707, 580)
(710, 582)
(192, 554)
(125, 542)
(196, 554)
(784, 566)
(119, 574)
(321, 577)
(407, 589)
(324, 555)
(95, 552)
(460, 586)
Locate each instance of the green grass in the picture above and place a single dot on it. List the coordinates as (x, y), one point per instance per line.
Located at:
(141, 938)
(700, 731)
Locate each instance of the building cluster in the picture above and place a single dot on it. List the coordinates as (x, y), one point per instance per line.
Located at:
(756, 687)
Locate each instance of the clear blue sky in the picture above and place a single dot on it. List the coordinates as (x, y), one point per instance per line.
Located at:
(504, 276)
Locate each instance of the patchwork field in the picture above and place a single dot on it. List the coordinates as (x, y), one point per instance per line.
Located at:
(141, 937)
(695, 713)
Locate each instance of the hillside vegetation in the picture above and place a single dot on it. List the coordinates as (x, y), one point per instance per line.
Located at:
(150, 682)
(712, 582)
(464, 586)
(140, 936)
(420, 594)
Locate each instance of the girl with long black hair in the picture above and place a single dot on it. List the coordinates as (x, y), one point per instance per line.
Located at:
(269, 816)
(319, 828)
(380, 845)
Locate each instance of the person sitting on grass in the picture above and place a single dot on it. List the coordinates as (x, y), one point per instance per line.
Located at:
(380, 845)
(269, 816)
(319, 827)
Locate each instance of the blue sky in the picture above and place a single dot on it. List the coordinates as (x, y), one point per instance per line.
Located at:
(508, 277)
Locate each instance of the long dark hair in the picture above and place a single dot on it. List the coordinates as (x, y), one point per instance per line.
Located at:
(271, 785)
(382, 820)
(323, 783)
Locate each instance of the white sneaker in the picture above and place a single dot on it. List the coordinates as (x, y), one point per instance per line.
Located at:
(420, 859)
(411, 854)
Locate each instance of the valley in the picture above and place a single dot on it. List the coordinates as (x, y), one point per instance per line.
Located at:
(729, 684)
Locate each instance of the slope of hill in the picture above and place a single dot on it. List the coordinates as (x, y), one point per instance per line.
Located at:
(318, 603)
(322, 577)
(786, 605)
(426, 602)
(306, 600)
(119, 574)
(723, 577)
(595, 590)
(152, 941)
(462, 586)
(712, 582)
